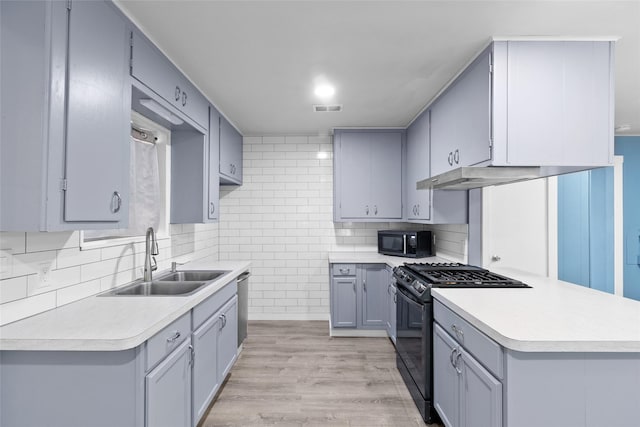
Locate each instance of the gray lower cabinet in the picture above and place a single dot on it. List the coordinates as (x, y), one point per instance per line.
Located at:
(205, 365)
(169, 380)
(65, 104)
(230, 153)
(228, 338)
(359, 297)
(343, 302)
(368, 175)
(375, 281)
(465, 393)
(168, 390)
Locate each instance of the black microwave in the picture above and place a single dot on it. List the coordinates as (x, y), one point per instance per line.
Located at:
(412, 244)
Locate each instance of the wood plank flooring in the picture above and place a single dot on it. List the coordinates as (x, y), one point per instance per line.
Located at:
(291, 373)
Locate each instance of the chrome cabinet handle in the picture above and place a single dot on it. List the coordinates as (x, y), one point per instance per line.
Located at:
(395, 298)
(459, 332)
(354, 286)
(184, 99)
(364, 285)
(375, 209)
(212, 208)
(366, 209)
(458, 370)
(450, 159)
(456, 156)
(177, 93)
(345, 270)
(116, 202)
(174, 337)
(192, 356)
(418, 209)
(453, 351)
(221, 321)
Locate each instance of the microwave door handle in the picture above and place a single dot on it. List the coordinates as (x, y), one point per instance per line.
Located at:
(404, 243)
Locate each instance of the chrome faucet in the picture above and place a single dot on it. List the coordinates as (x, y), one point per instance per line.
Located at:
(151, 249)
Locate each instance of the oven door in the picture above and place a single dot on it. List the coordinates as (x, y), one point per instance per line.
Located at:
(413, 340)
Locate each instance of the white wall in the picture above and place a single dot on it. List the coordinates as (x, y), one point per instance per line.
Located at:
(281, 219)
(75, 274)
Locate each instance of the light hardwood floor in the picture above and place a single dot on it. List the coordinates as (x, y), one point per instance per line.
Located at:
(291, 373)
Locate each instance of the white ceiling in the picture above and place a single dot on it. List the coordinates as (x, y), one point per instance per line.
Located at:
(258, 60)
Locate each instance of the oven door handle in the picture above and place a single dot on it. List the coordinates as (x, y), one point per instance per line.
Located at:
(410, 300)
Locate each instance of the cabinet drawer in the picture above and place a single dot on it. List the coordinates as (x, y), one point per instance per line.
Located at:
(206, 308)
(152, 68)
(168, 339)
(483, 348)
(343, 269)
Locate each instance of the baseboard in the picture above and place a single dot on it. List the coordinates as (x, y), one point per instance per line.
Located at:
(362, 333)
(289, 316)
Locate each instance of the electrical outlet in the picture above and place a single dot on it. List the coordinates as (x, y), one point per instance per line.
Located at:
(44, 271)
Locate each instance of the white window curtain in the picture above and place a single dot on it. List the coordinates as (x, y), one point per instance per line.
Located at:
(144, 193)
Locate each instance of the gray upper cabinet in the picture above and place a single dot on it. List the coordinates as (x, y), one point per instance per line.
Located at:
(368, 175)
(150, 67)
(65, 145)
(230, 153)
(460, 125)
(428, 206)
(195, 183)
(528, 103)
(213, 206)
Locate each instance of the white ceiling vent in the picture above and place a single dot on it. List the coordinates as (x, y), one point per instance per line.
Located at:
(336, 108)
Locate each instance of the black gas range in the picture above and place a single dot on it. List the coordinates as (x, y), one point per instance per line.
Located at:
(419, 278)
(414, 319)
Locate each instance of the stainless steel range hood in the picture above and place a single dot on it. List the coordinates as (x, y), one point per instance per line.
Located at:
(466, 178)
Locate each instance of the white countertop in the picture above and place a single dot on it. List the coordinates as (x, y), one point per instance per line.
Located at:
(376, 258)
(110, 323)
(551, 316)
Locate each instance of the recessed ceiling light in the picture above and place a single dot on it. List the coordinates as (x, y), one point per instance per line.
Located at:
(324, 90)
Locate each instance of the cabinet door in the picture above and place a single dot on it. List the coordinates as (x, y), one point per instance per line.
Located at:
(355, 168)
(189, 179)
(151, 67)
(98, 115)
(168, 390)
(205, 365)
(417, 205)
(446, 395)
(343, 302)
(213, 207)
(230, 153)
(461, 120)
(228, 338)
(481, 395)
(385, 175)
(374, 295)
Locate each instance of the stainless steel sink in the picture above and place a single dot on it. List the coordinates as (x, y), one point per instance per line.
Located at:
(192, 275)
(178, 283)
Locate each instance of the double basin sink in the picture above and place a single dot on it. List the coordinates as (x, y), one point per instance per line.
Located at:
(177, 283)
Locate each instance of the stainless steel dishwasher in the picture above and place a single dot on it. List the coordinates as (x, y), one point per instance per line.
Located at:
(243, 305)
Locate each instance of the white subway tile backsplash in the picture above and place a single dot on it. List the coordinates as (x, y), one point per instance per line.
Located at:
(13, 289)
(73, 293)
(12, 243)
(25, 307)
(37, 242)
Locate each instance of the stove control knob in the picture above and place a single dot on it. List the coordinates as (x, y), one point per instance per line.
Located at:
(420, 288)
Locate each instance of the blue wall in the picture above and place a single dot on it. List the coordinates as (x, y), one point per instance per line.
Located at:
(585, 229)
(629, 147)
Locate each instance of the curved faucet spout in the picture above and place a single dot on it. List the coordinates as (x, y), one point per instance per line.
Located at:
(151, 248)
